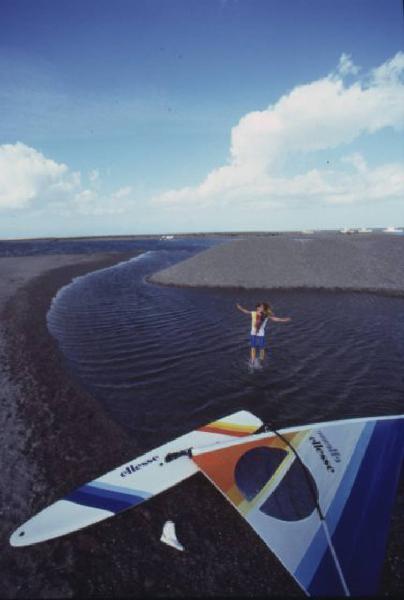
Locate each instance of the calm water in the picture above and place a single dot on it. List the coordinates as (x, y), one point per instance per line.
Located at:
(164, 360)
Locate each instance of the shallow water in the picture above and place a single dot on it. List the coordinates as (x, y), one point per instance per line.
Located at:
(163, 360)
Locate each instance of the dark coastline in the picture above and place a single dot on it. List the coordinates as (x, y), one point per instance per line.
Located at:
(71, 439)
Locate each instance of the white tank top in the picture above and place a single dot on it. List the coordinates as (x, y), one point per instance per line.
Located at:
(261, 330)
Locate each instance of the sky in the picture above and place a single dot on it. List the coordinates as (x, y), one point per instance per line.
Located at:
(166, 116)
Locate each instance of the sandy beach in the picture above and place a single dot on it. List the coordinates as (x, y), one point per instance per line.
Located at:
(56, 437)
(373, 263)
(34, 385)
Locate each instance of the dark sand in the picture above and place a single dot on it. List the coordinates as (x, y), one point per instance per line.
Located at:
(56, 437)
(363, 262)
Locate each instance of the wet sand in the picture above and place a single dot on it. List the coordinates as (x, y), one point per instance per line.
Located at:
(361, 262)
(56, 437)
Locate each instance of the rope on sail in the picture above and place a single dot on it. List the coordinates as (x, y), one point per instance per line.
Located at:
(270, 427)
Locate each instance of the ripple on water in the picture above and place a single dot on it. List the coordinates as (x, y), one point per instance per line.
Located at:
(161, 358)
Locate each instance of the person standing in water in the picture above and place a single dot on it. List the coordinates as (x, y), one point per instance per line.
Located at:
(259, 319)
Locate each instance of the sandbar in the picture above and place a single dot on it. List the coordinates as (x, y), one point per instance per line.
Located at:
(361, 262)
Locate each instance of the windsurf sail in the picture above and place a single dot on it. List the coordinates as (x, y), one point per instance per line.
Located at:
(130, 484)
(319, 496)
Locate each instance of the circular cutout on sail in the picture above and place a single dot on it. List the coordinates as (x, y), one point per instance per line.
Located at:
(294, 497)
(255, 468)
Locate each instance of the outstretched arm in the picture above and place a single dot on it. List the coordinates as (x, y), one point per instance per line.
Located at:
(280, 319)
(244, 310)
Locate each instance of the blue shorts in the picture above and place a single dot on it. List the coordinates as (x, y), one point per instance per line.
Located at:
(257, 341)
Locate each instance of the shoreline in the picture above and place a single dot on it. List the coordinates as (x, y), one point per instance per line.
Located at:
(399, 293)
(50, 451)
(37, 403)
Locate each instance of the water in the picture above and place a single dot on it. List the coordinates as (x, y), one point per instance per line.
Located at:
(165, 360)
(91, 245)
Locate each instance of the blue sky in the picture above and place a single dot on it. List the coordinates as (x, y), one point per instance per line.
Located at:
(154, 116)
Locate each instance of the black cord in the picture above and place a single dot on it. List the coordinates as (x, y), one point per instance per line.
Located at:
(271, 428)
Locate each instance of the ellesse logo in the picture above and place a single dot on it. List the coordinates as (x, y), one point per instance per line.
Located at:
(129, 469)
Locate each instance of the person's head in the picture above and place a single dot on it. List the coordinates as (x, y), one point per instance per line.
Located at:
(264, 308)
(259, 308)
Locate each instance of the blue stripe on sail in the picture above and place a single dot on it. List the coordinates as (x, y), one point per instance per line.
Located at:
(318, 549)
(120, 489)
(361, 535)
(345, 487)
(327, 579)
(106, 499)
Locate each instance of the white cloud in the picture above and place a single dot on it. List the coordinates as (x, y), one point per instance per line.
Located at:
(389, 73)
(317, 116)
(346, 66)
(26, 175)
(122, 193)
(91, 202)
(94, 175)
(30, 180)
